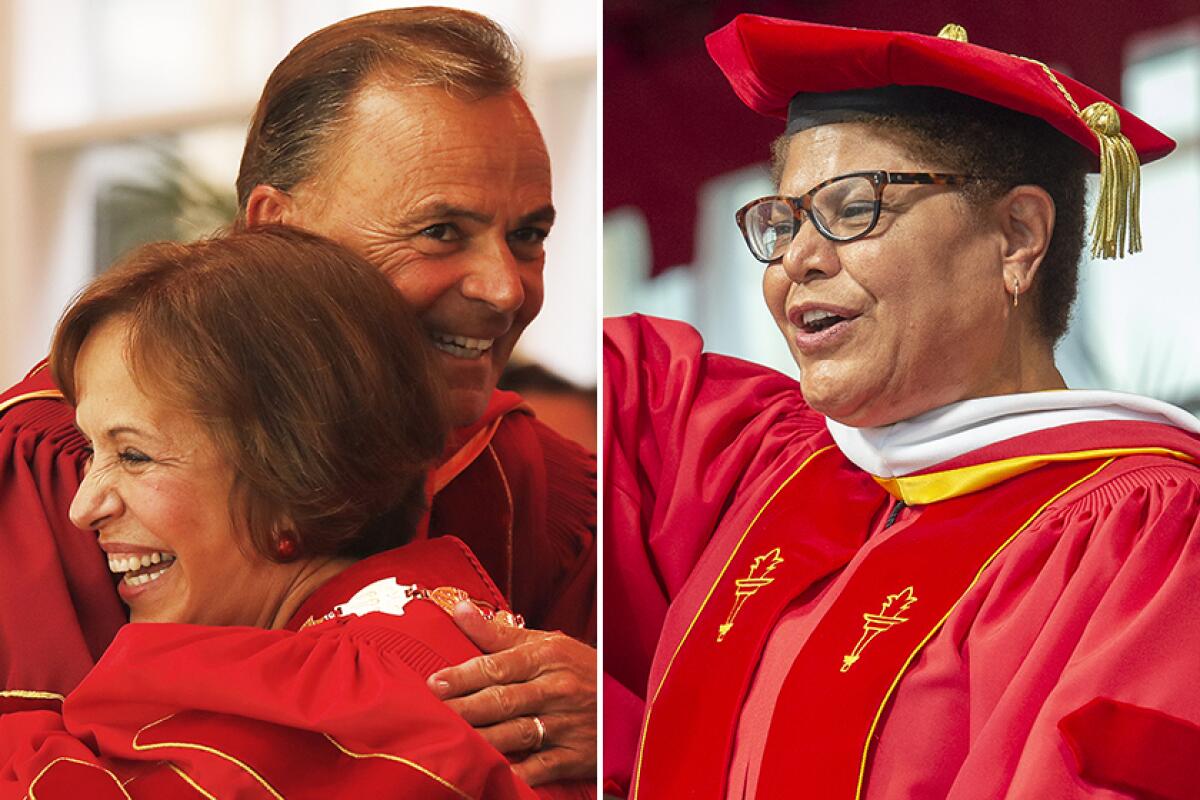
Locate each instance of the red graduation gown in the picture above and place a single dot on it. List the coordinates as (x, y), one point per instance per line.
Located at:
(538, 539)
(519, 494)
(338, 708)
(58, 606)
(1081, 616)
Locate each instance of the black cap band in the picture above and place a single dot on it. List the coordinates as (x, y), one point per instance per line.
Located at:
(810, 109)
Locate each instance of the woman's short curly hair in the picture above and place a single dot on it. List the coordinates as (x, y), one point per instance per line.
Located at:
(1008, 149)
(307, 368)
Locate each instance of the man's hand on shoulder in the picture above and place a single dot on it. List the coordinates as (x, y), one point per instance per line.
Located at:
(525, 676)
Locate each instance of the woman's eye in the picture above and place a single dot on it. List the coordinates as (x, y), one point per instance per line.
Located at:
(134, 457)
(858, 210)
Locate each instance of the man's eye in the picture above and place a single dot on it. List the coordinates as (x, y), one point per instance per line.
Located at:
(442, 232)
(529, 235)
(527, 243)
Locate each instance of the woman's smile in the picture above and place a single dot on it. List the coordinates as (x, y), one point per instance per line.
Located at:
(908, 318)
(157, 493)
(817, 327)
(141, 568)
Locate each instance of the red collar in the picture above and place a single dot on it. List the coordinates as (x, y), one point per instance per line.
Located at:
(467, 443)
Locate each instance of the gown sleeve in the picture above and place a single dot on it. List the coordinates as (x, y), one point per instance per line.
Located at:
(237, 709)
(1124, 716)
(46, 647)
(568, 502)
(1070, 672)
(685, 432)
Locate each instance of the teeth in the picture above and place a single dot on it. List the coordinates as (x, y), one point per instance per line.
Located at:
(461, 346)
(134, 562)
(464, 341)
(145, 577)
(454, 344)
(816, 315)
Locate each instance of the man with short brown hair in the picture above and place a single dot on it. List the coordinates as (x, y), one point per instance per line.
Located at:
(401, 134)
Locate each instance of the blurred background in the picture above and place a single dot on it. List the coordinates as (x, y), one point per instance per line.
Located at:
(122, 121)
(681, 154)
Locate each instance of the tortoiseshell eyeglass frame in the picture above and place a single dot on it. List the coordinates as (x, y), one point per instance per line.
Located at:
(801, 206)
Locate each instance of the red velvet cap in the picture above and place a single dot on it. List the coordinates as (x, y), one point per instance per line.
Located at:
(769, 61)
(784, 68)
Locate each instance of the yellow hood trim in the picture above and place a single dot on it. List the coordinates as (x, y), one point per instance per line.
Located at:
(933, 487)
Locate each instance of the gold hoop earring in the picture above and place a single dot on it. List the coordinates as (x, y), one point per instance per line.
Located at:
(1016, 292)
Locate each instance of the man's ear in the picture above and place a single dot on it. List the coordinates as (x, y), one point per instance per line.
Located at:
(1026, 218)
(267, 205)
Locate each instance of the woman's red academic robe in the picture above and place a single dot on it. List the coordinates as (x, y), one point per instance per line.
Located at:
(338, 708)
(777, 625)
(520, 495)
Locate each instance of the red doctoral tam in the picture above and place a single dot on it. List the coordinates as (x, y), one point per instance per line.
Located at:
(784, 68)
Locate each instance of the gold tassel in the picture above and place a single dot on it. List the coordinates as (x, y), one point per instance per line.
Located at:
(1118, 209)
(953, 32)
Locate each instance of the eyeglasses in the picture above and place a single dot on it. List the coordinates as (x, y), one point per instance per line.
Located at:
(843, 209)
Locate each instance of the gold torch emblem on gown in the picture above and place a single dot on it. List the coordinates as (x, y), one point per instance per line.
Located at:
(888, 617)
(747, 586)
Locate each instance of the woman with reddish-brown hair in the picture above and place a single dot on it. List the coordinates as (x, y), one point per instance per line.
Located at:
(401, 134)
(229, 505)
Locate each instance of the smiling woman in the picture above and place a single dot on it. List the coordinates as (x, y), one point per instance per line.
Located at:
(402, 135)
(323, 454)
(279, 502)
(156, 489)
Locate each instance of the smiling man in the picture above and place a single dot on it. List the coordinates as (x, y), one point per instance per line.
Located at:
(403, 135)
(450, 197)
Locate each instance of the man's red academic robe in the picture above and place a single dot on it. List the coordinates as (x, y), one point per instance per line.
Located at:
(334, 706)
(518, 494)
(778, 624)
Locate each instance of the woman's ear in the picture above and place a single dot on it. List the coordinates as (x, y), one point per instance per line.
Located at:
(1026, 219)
(285, 542)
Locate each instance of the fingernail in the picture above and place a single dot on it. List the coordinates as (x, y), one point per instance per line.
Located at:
(438, 686)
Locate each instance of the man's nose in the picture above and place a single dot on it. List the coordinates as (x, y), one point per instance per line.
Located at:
(495, 278)
(96, 502)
